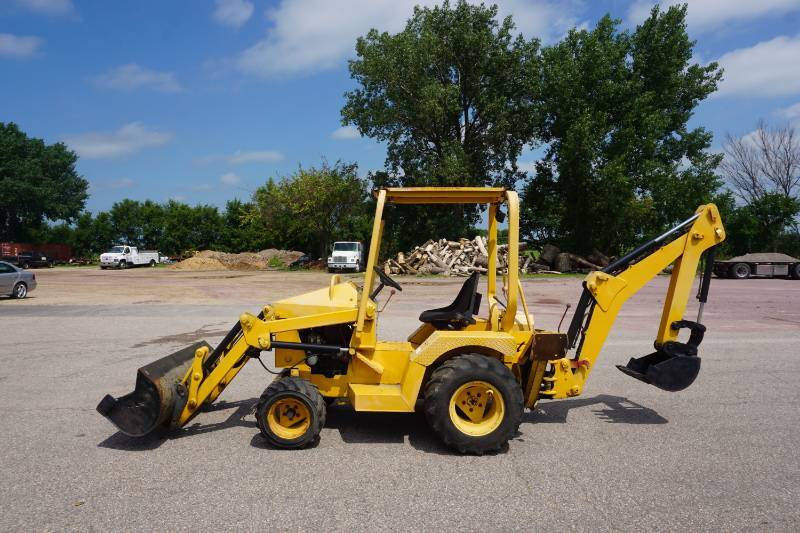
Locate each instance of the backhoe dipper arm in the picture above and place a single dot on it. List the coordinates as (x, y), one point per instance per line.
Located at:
(606, 291)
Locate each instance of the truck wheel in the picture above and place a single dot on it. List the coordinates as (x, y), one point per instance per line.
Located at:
(25, 266)
(123, 265)
(291, 413)
(51, 264)
(152, 262)
(474, 404)
(20, 291)
(794, 271)
(740, 271)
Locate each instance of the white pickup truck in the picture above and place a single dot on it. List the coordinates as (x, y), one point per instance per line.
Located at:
(346, 256)
(128, 256)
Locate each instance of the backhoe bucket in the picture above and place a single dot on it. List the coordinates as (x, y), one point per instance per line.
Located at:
(674, 365)
(667, 372)
(158, 397)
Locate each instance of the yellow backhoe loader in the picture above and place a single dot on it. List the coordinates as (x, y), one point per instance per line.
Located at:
(474, 374)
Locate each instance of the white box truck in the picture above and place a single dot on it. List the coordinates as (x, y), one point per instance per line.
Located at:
(346, 255)
(124, 256)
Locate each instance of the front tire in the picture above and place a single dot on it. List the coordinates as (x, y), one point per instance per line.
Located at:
(20, 291)
(291, 413)
(474, 404)
(123, 265)
(740, 271)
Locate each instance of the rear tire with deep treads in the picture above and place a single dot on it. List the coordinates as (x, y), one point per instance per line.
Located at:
(291, 413)
(461, 380)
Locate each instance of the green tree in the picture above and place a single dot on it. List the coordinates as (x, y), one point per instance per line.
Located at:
(102, 233)
(314, 206)
(87, 236)
(152, 224)
(761, 225)
(190, 228)
(243, 229)
(127, 220)
(621, 161)
(453, 98)
(37, 182)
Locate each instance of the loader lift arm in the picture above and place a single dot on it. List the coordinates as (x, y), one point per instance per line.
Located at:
(606, 291)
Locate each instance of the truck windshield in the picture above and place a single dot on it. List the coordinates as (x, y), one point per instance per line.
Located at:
(116, 250)
(345, 247)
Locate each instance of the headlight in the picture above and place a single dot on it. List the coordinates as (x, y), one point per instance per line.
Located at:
(352, 260)
(330, 260)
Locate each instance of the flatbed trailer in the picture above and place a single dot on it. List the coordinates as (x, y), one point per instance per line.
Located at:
(758, 265)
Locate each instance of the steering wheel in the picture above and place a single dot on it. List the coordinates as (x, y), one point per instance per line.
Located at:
(385, 280)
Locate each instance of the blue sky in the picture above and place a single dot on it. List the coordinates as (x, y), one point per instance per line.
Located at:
(203, 100)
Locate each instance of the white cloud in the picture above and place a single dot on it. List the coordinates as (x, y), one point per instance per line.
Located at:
(132, 76)
(240, 158)
(791, 112)
(547, 20)
(704, 15)
(105, 185)
(345, 133)
(48, 7)
(229, 179)
(770, 68)
(309, 35)
(19, 45)
(202, 187)
(233, 13)
(127, 140)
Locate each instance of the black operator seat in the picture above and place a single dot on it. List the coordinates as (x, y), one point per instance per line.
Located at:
(459, 313)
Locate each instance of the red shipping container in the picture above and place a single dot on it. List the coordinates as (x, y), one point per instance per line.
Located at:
(60, 252)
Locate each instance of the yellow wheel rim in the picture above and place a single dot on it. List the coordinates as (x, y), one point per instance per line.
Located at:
(288, 418)
(477, 408)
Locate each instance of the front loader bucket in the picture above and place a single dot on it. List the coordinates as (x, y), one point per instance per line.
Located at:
(158, 397)
(674, 365)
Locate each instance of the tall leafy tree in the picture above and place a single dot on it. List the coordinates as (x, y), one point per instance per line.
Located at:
(243, 230)
(621, 161)
(37, 182)
(128, 221)
(314, 206)
(453, 99)
(190, 228)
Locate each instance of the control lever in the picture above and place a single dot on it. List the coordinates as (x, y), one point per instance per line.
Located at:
(391, 293)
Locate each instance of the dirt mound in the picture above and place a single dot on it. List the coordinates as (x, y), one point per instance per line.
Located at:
(264, 260)
(763, 258)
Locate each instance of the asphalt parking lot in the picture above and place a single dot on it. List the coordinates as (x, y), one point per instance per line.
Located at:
(721, 455)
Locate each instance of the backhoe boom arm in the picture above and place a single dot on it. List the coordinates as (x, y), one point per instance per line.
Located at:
(605, 293)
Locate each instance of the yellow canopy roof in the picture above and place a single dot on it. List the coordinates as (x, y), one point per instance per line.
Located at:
(444, 195)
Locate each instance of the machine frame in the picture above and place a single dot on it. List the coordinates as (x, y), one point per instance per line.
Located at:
(391, 376)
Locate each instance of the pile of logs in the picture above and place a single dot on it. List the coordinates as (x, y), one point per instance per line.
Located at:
(465, 256)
